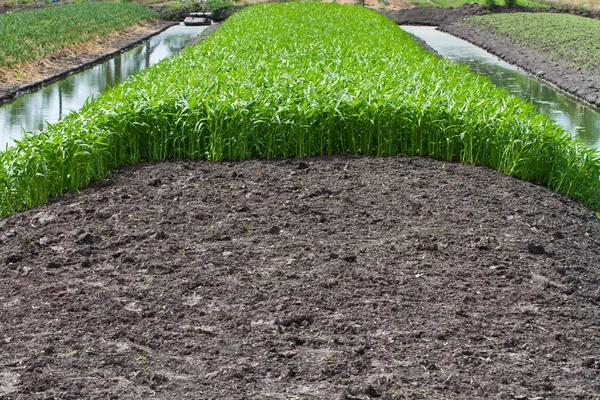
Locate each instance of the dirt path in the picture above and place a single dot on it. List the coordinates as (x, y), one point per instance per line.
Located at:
(584, 84)
(325, 278)
(66, 62)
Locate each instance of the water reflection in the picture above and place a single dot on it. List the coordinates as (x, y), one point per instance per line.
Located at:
(577, 118)
(50, 103)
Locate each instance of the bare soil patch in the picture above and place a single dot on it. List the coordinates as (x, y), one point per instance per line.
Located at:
(581, 83)
(323, 278)
(378, 5)
(374, 4)
(16, 81)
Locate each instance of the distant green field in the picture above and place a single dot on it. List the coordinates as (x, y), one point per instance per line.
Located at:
(458, 3)
(27, 35)
(567, 37)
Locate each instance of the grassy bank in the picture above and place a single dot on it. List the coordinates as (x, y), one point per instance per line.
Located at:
(567, 37)
(28, 35)
(292, 80)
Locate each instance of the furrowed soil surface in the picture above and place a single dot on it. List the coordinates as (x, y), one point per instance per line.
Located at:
(584, 84)
(323, 278)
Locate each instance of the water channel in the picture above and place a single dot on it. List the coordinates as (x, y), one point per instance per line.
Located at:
(50, 103)
(582, 121)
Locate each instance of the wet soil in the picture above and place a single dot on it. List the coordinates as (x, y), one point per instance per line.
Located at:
(323, 278)
(581, 83)
(72, 60)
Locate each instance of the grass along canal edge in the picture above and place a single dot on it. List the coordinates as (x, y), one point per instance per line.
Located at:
(257, 90)
(37, 33)
(33, 54)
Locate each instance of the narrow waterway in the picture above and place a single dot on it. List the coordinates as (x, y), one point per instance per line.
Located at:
(580, 120)
(50, 103)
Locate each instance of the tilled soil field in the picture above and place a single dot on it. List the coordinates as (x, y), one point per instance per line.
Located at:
(323, 278)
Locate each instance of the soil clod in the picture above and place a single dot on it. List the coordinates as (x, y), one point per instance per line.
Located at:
(536, 248)
(275, 230)
(302, 165)
(88, 238)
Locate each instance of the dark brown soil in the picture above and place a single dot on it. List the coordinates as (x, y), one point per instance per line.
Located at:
(584, 84)
(325, 278)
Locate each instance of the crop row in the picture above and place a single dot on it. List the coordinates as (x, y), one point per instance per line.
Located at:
(565, 36)
(31, 34)
(294, 80)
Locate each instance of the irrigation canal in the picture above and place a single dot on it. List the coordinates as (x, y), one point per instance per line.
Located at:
(582, 121)
(50, 103)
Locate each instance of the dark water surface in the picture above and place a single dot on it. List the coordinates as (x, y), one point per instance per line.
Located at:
(581, 120)
(50, 103)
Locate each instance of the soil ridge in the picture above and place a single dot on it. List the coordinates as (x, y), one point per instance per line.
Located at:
(575, 81)
(439, 16)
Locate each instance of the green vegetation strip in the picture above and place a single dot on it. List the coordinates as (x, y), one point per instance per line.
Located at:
(27, 35)
(567, 37)
(294, 80)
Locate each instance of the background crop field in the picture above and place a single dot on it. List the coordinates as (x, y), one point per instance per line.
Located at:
(590, 4)
(31, 34)
(564, 36)
(376, 4)
(458, 3)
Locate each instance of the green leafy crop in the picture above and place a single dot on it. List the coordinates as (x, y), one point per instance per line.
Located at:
(295, 80)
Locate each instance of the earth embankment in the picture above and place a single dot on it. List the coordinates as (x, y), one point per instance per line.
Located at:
(71, 60)
(581, 83)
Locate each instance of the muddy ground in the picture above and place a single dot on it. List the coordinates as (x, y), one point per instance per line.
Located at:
(584, 84)
(324, 278)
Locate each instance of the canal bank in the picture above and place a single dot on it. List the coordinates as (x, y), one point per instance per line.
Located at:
(577, 118)
(70, 61)
(49, 103)
(583, 84)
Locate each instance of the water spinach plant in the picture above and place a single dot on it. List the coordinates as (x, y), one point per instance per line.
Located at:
(27, 35)
(295, 80)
